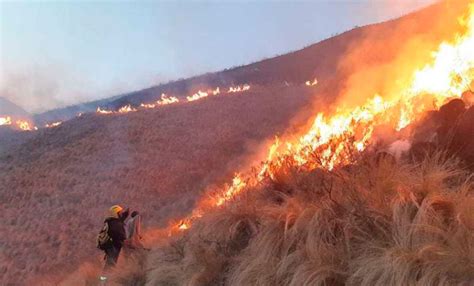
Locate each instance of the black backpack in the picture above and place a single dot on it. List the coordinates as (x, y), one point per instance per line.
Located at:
(104, 241)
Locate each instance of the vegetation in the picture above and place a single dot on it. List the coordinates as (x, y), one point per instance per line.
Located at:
(377, 223)
(56, 184)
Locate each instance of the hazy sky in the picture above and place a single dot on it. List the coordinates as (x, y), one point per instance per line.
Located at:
(55, 53)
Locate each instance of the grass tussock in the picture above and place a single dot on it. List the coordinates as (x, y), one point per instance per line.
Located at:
(376, 223)
(131, 270)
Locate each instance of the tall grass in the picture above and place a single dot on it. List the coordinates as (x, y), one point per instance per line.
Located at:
(376, 223)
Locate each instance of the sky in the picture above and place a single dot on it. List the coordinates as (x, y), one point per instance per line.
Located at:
(58, 53)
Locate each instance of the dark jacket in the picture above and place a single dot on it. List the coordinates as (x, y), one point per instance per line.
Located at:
(116, 231)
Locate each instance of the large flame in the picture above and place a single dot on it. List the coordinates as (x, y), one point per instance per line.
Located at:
(333, 139)
(25, 125)
(21, 124)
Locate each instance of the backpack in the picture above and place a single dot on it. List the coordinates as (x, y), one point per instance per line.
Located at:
(104, 241)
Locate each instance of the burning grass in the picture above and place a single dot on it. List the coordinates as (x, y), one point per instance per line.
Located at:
(376, 223)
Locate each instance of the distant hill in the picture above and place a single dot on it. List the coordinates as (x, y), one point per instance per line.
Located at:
(56, 183)
(65, 113)
(9, 137)
(9, 108)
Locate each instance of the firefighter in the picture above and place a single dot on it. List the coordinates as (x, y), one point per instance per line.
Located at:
(112, 236)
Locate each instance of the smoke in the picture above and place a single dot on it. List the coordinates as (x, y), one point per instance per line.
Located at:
(399, 147)
(38, 88)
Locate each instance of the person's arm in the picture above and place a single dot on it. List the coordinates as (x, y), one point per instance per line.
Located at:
(124, 214)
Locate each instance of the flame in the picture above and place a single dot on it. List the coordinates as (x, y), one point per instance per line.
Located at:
(333, 139)
(312, 83)
(7, 120)
(103, 111)
(19, 123)
(183, 225)
(126, 109)
(198, 95)
(237, 185)
(164, 100)
(24, 125)
(238, 88)
(452, 70)
(54, 124)
(148, 105)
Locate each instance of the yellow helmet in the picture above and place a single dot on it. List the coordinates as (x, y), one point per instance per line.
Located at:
(115, 210)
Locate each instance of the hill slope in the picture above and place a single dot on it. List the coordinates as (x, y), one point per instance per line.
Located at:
(56, 183)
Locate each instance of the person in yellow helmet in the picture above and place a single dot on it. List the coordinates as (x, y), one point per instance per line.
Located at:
(115, 228)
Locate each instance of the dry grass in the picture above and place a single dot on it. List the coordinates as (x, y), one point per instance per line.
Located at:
(56, 187)
(377, 223)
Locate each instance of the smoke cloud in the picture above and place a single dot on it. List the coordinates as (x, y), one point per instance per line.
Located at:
(38, 88)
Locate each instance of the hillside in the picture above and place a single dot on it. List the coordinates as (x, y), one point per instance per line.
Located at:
(381, 221)
(157, 161)
(55, 184)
